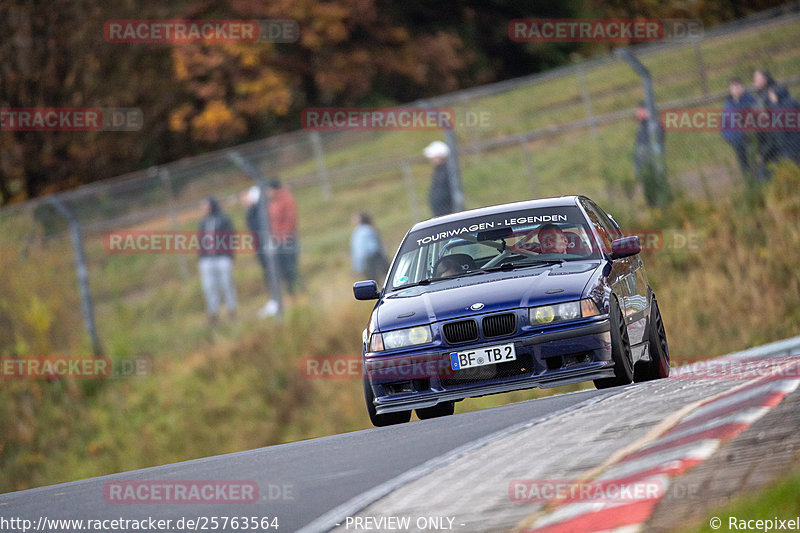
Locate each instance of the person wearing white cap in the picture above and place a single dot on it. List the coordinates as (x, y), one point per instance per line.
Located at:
(440, 196)
(250, 199)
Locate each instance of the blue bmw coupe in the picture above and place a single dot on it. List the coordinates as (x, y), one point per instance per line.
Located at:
(529, 294)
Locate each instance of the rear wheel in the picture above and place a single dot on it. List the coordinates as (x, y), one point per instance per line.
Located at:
(440, 409)
(388, 419)
(658, 365)
(620, 351)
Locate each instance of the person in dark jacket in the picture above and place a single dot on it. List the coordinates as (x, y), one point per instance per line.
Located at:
(250, 200)
(767, 141)
(216, 261)
(788, 140)
(440, 196)
(739, 101)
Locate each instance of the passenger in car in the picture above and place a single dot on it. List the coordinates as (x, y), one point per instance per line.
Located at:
(552, 239)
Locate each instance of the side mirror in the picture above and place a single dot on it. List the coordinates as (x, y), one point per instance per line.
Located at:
(366, 290)
(625, 247)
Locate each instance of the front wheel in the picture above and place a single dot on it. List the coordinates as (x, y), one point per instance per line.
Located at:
(388, 419)
(440, 409)
(620, 351)
(658, 365)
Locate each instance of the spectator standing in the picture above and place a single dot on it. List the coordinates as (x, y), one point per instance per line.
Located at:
(739, 101)
(282, 211)
(440, 196)
(767, 141)
(788, 140)
(366, 249)
(250, 200)
(216, 264)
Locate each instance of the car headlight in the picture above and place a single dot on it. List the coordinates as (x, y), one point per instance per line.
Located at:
(548, 314)
(401, 338)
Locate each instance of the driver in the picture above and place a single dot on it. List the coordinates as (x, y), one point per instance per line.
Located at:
(451, 265)
(552, 240)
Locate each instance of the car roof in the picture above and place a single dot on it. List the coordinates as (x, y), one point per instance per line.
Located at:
(560, 201)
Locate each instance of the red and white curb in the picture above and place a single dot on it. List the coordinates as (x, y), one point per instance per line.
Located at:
(689, 442)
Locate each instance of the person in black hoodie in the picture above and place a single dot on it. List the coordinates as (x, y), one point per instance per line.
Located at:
(767, 141)
(216, 260)
(739, 101)
(787, 140)
(250, 200)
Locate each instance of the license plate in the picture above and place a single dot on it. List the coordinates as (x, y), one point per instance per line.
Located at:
(483, 356)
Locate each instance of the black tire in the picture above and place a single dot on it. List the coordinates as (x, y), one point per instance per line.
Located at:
(440, 409)
(620, 351)
(658, 365)
(388, 419)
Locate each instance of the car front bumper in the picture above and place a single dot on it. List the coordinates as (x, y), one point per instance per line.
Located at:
(544, 359)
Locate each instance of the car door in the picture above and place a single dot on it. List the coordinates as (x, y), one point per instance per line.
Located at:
(622, 277)
(636, 304)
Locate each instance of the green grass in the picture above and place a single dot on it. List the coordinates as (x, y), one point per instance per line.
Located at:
(777, 502)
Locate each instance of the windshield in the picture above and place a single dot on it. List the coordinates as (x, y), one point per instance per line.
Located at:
(502, 241)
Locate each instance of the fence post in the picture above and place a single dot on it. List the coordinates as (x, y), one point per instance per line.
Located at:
(82, 272)
(264, 234)
(164, 175)
(454, 171)
(587, 100)
(526, 158)
(701, 67)
(322, 169)
(661, 194)
(408, 179)
(472, 122)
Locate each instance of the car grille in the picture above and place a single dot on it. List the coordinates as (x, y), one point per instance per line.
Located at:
(499, 325)
(462, 331)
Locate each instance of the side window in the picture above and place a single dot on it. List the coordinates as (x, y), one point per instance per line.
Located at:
(610, 223)
(606, 229)
(404, 269)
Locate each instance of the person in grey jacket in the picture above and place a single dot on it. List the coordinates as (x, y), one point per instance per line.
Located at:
(216, 262)
(366, 249)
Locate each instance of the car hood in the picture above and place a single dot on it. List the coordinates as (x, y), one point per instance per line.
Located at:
(447, 300)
